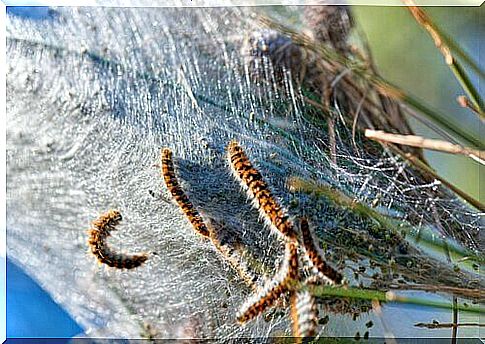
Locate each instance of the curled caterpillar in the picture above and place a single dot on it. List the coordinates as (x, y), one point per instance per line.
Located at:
(270, 293)
(304, 314)
(252, 181)
(102, 227)
(178, 194)
(315, 255)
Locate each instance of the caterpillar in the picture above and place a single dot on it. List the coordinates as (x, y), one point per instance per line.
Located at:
(315, 255)
(168, 173)
(270, 293)
(230, 254)
(252, 181)
(102, 227)
(304, 314)
(107, 221)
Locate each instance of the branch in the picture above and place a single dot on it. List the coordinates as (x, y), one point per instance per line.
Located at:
(432, 144)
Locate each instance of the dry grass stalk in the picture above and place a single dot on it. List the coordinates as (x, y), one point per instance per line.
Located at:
(447, 325)
(423, 19)
(432, 144)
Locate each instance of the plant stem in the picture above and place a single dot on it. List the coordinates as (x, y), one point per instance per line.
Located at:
(425, 21)
(389, 296)
(343, 200)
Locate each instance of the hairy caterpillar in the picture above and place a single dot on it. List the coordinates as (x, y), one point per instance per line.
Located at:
(263, 200)
(304, 314)
(105, 255)
(178, 194)
(315, 255)
(273, 289)
(229, 252)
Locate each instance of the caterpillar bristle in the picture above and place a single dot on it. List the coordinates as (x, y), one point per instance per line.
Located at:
(108, 220)
(270, 293)
(315, 255)
(304, 314)
(179, 195)
(102, 227)
(252, 181)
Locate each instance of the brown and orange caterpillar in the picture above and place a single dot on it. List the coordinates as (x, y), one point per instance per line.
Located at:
(280, 284)
(304, 314)
(178, 194)
(230, 253)
(102, 227)
(315, 255)
(252, 181)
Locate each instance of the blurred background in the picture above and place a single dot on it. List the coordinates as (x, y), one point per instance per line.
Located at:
(403, 53)
(406, 55)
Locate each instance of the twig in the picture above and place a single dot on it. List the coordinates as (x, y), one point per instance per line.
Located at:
(432, 144)
(423, 19)
(447, 325)
(461, 53)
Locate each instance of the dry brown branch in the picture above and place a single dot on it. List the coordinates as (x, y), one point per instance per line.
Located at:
(423, 20)
(432, 144)
(434, 325)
